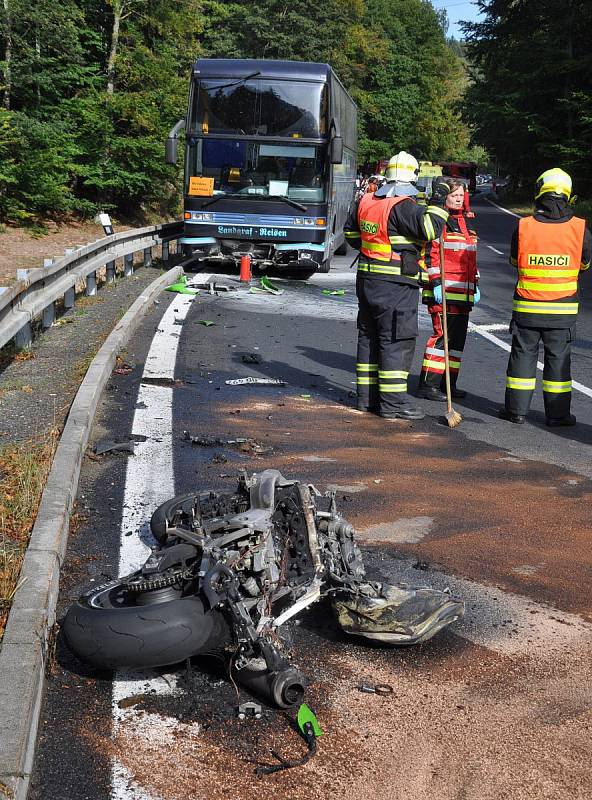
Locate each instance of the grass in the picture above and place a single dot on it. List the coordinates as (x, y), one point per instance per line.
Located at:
(24, 469)
(582, 207)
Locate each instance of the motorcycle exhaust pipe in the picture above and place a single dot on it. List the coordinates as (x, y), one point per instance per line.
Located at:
(284, 687)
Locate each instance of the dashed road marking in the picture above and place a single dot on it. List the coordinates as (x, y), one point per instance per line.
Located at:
(484, 330)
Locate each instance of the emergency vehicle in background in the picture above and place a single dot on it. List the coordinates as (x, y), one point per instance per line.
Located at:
(270, 163)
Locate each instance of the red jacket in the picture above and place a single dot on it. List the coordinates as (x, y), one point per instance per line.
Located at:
(462, 275)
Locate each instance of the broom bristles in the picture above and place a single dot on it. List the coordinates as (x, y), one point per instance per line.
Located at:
(453, 418)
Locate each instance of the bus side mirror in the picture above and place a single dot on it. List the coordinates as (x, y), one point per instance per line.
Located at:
(336, 150)
(172, 142)
(171, 149)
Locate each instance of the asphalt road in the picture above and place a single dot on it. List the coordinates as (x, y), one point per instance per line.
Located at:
(497, 707)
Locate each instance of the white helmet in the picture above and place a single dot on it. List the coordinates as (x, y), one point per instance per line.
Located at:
(402, 167)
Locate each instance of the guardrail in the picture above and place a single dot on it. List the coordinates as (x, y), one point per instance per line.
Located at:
(36, 291)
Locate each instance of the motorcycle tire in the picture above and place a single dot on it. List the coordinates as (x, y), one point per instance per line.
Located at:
(159, 522)
(107, 635)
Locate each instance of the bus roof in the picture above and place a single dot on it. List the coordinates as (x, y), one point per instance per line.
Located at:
(239, 67)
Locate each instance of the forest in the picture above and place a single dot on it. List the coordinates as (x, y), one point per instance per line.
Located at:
(90, 88)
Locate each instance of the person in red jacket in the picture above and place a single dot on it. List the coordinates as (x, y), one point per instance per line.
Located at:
(462, 292)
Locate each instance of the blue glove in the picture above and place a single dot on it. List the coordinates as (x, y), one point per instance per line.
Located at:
(477, 295)
(438, 294)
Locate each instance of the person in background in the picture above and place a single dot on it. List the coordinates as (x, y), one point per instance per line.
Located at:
(388, 228)
(462, 292)
(549, 249)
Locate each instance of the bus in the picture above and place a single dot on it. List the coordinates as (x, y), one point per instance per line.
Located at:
(270, 163)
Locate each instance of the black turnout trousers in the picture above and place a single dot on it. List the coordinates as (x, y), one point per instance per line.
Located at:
(387, 329)
(521, 375)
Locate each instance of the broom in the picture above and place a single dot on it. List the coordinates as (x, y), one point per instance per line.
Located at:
(452, 417)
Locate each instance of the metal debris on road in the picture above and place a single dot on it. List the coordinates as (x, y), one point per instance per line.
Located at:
(256, 382)
(382, 689)
(243, 444)
(249, 710)
(109, 446)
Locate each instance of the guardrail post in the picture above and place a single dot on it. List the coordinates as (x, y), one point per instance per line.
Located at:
(91, 284)
(48, 316)
(147, 256)
(128, 265)
(24, 338)
(110, 275)
(165, 251)
(69, 297)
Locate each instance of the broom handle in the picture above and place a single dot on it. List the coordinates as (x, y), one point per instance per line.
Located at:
(445, 325)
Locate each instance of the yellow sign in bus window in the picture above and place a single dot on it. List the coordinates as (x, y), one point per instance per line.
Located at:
(202, 187)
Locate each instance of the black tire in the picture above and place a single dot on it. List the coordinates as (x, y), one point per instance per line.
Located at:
(159, 522)
(140, 636)
(342, 249)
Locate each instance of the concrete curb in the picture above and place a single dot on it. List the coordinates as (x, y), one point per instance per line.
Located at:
(24, 649)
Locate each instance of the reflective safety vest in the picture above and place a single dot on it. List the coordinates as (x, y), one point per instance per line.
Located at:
(460, 252)
(549, 262)
(373, 221)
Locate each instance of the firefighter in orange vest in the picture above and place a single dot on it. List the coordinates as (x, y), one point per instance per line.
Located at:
(462, 292)
(388, 228)
(549, 249)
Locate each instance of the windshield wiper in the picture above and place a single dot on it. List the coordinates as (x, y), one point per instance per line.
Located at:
(287, 200)
(235, 83)
(249, 197)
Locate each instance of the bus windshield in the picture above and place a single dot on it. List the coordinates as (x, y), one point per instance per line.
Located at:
(244, 168)
(259, 107)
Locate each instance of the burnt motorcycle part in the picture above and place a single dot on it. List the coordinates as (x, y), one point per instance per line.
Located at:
(395, 615)
(284, 685)
(231, 569)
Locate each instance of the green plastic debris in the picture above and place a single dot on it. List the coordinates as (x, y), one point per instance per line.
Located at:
(334, 292)
(180, 287)
(266, 286)
(306, 715)
(207, 322)
(305, 396)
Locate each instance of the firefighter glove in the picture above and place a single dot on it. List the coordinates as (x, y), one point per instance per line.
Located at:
(438, 294)
(440, 192)
(477, 295)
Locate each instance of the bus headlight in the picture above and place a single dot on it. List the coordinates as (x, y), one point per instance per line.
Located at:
(201, 217)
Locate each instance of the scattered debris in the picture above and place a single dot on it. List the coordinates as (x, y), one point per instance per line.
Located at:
(266, 286)
(251, 358)
(212, 288)
(207, 323)
(242, 444)
(382, 689)
(122, 368)
(249, 710)
(423, 565)
(334, 292)
(305, 396)
(256, 381)
(109, 446)
(180, 287)
(310, 729)
(63, 321)
(377, 480)
(219, 458)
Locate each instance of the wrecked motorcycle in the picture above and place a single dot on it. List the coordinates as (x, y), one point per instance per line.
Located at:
(229, 571)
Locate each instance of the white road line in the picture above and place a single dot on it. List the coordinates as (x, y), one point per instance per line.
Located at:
(505, 210)
(146, 486)
(482, 330)
(499, 252)
(498, 326)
